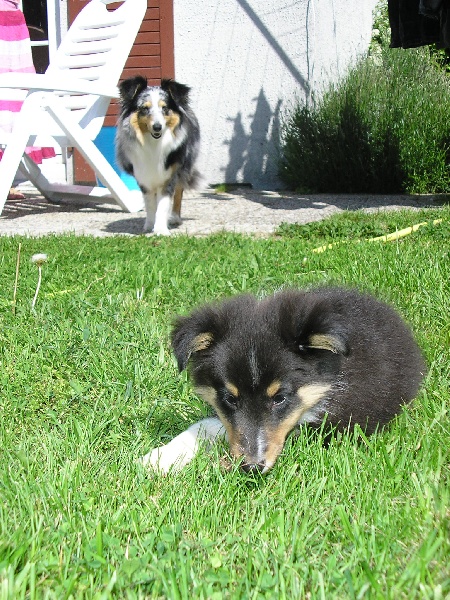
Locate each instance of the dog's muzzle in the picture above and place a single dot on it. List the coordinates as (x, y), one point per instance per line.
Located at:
(156, 130)
(253, 467)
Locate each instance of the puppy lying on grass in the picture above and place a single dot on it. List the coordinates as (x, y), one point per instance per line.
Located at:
(294, 357)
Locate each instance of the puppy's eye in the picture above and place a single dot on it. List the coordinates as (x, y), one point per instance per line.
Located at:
(228, 398)
(279, 399)
(231, 401)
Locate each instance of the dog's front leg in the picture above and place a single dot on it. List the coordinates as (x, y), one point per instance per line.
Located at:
(163, 208)
(175, 218)
(150, 210)
(182, 449)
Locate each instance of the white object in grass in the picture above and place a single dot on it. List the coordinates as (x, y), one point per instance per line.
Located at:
(182, 449)
(39, 260)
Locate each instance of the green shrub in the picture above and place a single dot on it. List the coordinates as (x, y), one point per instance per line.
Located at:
(385, 128)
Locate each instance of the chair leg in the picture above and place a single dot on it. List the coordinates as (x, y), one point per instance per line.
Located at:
(17, 143)
(129, 200)
(37, 178)
(10, 163)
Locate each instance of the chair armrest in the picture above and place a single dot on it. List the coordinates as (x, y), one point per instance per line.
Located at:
(50, 83)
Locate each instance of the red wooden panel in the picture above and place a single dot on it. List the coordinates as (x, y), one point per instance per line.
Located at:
(153, 74)
(146, 50)
(147, 37)
(152, 13)
(149, 72)
(147, 26)
(150, 37)
(142, 62)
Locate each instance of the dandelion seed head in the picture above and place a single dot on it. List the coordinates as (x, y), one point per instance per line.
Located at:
(39, 259)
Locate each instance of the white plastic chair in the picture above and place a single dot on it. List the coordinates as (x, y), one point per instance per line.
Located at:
(68, 103)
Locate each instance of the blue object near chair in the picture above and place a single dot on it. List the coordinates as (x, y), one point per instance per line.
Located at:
(105, 143)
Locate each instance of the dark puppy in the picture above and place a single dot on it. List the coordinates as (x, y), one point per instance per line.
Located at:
(157, 141)
(295, 357)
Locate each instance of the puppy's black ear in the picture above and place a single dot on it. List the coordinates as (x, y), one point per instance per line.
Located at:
(130, 88)
(178, 91)
(323, 329)
(193, 334)
(311, 322)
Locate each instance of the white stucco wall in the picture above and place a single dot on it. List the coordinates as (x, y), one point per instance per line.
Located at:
(246, 60)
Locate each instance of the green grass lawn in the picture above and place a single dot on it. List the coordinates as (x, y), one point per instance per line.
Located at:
(88, 384)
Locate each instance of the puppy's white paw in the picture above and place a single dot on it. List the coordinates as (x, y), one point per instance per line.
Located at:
(181, 450)
(171, 457)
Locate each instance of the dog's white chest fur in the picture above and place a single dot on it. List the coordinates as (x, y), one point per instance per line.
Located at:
(149, 160)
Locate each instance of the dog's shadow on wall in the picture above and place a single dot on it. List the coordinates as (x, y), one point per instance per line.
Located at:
(253, 156)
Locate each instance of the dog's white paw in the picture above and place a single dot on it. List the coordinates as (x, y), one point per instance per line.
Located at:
(171, 457)
(161, 230)
(151, 227)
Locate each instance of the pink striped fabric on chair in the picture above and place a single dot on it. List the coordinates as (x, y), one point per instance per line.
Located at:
(15, 56)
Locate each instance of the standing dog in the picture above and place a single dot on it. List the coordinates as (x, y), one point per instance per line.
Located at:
(295, 357)
(157, 141)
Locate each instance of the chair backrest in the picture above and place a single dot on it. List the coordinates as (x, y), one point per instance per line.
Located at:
(98, 42)
(95, 48)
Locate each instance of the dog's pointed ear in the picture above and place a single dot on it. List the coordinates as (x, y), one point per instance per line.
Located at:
(193, 334)
(323, 330)
(333, 342)
(178, 91)
(310, 323)
(130, 88)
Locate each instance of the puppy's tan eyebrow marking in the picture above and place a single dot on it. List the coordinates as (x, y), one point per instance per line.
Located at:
(311, 394)
(208, 394)
(232, 389)
(147, 104)
(202, 341)
(273, 388)
(161, 104)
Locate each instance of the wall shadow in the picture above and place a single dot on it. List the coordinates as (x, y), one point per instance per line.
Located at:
(273, 42)
(253, 156)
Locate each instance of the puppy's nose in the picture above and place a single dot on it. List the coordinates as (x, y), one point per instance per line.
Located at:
(252, 467)
(157, 127)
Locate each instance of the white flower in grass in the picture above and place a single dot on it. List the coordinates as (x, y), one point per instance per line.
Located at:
(38, 260)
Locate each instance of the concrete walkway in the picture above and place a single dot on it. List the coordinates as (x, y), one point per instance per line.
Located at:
(243, 211)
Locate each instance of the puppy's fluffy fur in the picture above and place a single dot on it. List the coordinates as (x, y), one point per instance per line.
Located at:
(157, 141)
(295, 357)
